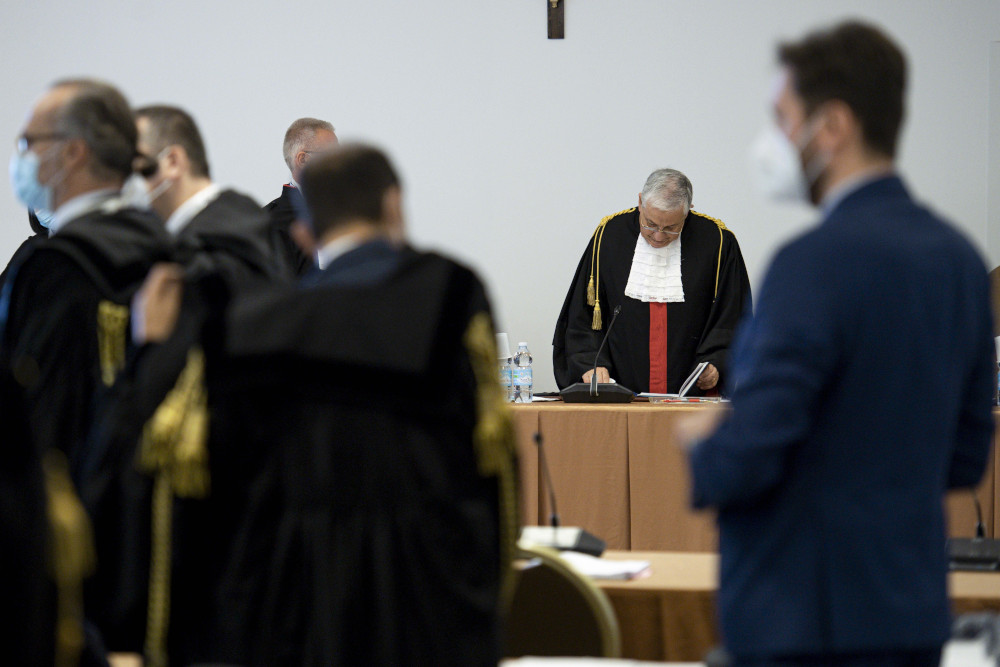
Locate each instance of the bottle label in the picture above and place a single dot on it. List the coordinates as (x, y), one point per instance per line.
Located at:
(505, 376)
(521, 377)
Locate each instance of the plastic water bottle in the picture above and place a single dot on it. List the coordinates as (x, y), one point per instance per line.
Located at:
(521, 374)
(506, 379)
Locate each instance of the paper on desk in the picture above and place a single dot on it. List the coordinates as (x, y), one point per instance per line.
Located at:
(599, 568)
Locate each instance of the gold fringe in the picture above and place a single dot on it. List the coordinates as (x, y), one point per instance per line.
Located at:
(597, 323)
(71, 556)
(174, 437)
(174, 449)
(112, 320)
(493, 439)
(591, 292)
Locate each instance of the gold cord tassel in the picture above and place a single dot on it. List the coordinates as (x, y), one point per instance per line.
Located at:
(591, 292)
(493, 438)
(597, 324)
(174, 449)
(71, 553)
(112, 320)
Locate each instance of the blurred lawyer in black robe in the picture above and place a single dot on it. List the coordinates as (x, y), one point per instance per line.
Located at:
(680, 280)
(360, 458)
(223, 244)
(38, 232)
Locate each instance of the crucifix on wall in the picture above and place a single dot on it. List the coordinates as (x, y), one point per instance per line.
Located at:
(557, 23)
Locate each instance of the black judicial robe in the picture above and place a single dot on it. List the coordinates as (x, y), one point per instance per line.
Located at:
(359, 448)
(56, 351)
(716, 289)
(22, 251)
(283, 213)
(225, 248)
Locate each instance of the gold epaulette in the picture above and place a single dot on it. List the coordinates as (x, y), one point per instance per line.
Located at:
(720, 223)
(594, 286)
(112, 320)
(718, 261)
(493, 439)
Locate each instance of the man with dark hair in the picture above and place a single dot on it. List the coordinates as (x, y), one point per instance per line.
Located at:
(680, 280)
(832, 540)
(362, 506)
(63, 311)
(222, 242)
(216, 228)
(304, 138)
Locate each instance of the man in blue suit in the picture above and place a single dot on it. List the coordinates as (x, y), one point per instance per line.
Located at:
(862, 387)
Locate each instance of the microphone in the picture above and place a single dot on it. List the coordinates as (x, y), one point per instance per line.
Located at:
(605, 392)
(554, 515)
(977, 553)
(553, 536)
(593, 376)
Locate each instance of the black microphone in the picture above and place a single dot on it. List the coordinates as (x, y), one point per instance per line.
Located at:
(565, 539)
(593, 377)
(980, 529)
(594, 392)
(554, 514)
(976, 553)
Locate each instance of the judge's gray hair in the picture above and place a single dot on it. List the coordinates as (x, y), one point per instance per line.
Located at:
(300, 134)
(668, 190)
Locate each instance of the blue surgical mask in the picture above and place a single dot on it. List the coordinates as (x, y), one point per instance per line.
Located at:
(44, 217)
(24, 181)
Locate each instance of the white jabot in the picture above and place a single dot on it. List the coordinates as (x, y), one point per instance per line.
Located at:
(80, 205)
(179, 219)
(656, 273)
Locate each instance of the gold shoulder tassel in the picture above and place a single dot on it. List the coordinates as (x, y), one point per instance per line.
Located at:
(493, 438)
(594, 285)
(112, 320)
(173, 448)
(71, 556)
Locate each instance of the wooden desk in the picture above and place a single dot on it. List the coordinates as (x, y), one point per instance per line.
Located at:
(618, 474)
(670, 615)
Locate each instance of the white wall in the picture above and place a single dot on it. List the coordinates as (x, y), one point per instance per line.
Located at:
(513, 146)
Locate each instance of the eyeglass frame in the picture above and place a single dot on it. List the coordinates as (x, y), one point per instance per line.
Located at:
(657, 230)
(23, 142)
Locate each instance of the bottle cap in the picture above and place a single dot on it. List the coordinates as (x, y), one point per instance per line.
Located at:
(522, 344)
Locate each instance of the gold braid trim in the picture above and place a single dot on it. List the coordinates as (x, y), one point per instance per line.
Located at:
(718, 261)
(173, 448)
(71, 556)
(112, 320)
(493, 439)
(594, 286)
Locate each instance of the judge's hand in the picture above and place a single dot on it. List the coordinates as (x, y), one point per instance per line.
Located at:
(691, 428)
(602, 375)
(157, 303)
(708, 378)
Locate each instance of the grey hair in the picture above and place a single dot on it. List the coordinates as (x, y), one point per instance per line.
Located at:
(99, 114)
(300, 134)
(668, 190)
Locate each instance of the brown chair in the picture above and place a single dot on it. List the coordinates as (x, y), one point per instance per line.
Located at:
(556, 611)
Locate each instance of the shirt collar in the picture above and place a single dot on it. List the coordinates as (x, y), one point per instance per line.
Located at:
(849, 186)
(334, 249)
(195, 204)
(78, 206)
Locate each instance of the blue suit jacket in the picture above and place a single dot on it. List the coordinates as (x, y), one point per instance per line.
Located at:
(863, 392)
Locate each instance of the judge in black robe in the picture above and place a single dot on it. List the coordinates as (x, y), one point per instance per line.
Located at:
(700, 328)
(361, 463)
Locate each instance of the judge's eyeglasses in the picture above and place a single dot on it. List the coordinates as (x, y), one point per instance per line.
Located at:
(653, 229)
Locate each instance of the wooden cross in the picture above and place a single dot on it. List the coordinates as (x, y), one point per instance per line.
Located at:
(557, 24)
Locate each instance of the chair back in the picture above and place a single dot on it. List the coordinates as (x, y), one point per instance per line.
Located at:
(556, 611)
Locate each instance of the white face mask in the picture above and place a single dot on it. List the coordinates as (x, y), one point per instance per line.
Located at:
(777, 166)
